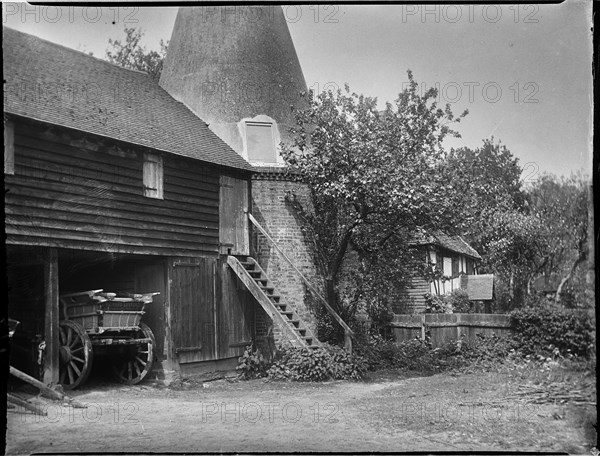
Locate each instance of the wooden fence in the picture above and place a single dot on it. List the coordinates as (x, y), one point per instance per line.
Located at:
(443, 328)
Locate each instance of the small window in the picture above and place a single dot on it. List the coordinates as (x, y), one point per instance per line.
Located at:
(9, 147)
(153, 176)
(260, 143)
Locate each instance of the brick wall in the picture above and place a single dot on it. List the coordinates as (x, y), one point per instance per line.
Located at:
(270, 208)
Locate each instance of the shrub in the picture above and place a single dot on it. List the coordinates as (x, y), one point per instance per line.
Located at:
(377, 351)
(458, 301)
(251, 364)
(488, 348)
(316, 364)
(455, 302)
(436, 304)
(539, 329)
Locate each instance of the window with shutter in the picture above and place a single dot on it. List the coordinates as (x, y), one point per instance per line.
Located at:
(454, 266)
(153, 176)
(448, 266)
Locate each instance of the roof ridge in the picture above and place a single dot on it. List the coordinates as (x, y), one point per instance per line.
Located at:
(70, 49)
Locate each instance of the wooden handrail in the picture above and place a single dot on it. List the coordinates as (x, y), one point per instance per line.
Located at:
(347, 331)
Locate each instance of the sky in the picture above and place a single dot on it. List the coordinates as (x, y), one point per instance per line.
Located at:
(524, 72)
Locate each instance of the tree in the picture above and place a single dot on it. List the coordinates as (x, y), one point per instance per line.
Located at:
(513, 240)
(562, 207)
(486, 179)
(373, 176)
(130, 54)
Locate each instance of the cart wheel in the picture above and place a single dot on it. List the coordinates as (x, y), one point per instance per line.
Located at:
(137, 359)
(75, 354)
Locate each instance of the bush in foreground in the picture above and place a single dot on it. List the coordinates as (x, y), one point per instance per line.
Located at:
(317, 364)
(327, 362)
(539, 329)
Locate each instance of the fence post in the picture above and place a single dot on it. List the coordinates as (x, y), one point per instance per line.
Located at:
(423, 326)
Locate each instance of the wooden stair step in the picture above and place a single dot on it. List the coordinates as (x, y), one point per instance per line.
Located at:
(257, 281)
(266, 288)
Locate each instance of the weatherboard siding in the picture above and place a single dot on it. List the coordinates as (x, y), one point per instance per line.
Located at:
(74, 192)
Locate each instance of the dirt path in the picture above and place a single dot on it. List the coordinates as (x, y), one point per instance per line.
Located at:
(417, 414)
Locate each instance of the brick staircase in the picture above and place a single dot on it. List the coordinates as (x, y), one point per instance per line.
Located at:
(256, 280)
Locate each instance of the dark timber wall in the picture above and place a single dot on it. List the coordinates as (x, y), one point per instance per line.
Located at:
(75, 192)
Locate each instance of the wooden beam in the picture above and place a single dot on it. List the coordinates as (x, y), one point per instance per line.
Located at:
(46, 391)
(26, 405)
(51, 358)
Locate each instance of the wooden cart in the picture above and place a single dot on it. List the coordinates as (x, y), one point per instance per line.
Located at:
(108, 323)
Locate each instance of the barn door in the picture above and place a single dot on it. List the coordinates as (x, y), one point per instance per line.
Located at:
(193, 309)
(233, 218)
(235, 313)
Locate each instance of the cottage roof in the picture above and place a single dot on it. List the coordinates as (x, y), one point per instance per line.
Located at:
(480, 287)
(61, 86)
(454, 243)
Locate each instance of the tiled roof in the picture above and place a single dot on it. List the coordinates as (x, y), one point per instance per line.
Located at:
(454, 243)
(62, 86)
(480, 287)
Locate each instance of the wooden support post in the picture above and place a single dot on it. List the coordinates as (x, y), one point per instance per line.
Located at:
(51, 358)
(423, 327)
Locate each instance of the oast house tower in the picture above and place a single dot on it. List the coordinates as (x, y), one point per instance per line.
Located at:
(237, 69)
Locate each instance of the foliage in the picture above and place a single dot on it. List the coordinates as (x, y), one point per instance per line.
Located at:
(436, 304)
(486, 177)
(562, 207)
(328, 329)
(521, 231)
(131, 54)
(488, 348)
(458, 301)
(251, 364)
(377, 351)
(455, 302)
(374, 181)
(542, 327)
(316, 364)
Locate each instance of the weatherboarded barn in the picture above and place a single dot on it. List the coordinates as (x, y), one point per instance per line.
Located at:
(112, 184)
